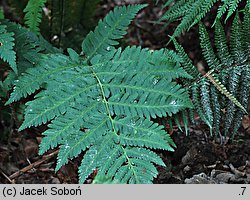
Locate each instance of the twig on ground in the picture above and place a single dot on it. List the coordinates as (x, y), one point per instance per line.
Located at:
(33, 165)
(2, 172)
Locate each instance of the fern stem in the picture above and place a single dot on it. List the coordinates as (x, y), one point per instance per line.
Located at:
(105, 101)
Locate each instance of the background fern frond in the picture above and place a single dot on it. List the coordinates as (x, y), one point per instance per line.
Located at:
(222, 45)
(179, 9)
(207, 49)
(232, 7)
(216, 109)
(229, 6)
(237, 43)
(199, 107)
(33, 14)
(248, 5)
(246, 26)
(206, 100)
(187, 63)
(28, 48)
(243, 99)
(229, 66)
(7, 53)
(191, 12)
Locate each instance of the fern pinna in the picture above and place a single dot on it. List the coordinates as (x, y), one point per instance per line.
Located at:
(228, 67)
(103, 103)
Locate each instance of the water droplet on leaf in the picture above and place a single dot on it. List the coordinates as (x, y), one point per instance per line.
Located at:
(155, 81)
(173, 102)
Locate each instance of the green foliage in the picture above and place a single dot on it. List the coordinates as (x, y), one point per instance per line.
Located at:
(33, 14)
(27, 47)
(192, 11)
(229, 77)
(108, 31)
(103, 103)
(7, 52)
(101, 99)
(231, 6)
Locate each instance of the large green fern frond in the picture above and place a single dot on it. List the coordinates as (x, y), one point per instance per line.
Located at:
(59, 64)
(113, 99)
(103, 104)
